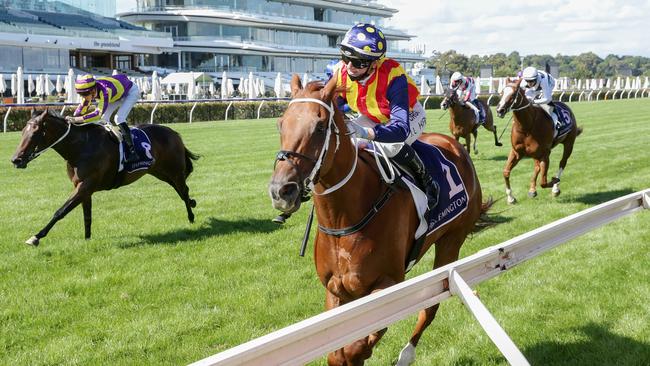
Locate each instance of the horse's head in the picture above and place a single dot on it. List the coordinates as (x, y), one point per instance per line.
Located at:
(512, 97)
(36, 137)
(450, 98)
(305, 130)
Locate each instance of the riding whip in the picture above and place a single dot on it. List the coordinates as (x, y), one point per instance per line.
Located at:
(305, 237)
(442, 115)
(504, 129)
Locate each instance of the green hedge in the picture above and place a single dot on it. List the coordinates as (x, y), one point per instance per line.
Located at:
(216, 111)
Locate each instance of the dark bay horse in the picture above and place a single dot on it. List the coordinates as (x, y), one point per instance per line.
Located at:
(462, 120)
(533, 135)
(92, 156)
(318, 155)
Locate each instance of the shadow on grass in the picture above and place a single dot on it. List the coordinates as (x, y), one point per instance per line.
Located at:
(598, 346)
(497, 158)
(214, 227)
(600, 197)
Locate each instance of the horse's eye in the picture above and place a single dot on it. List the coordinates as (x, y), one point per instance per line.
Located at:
(320, 128)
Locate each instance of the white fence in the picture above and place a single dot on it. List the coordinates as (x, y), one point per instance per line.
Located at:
(309, 339)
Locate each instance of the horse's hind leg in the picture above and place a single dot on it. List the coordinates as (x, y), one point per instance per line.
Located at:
(87, 205)
(475, 133)
(447, 249)
(180, 186)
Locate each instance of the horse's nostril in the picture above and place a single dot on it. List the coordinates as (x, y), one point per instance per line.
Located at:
(288, 190)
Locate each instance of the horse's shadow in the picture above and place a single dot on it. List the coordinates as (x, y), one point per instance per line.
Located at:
(213, 227)
(497, 158)
(600, 197)
(598, 346)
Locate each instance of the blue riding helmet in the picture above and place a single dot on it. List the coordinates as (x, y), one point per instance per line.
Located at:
(364, 41)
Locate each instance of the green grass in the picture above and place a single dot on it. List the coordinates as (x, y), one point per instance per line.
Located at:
(151, 289)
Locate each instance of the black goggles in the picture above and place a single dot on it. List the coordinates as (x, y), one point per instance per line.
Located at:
(357, 63)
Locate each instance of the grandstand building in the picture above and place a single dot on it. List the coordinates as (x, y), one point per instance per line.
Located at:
(51, 37)
(261, 36)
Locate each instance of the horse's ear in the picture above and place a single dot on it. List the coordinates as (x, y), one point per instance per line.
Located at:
(296, 85)
(45, 112)
(34, 113)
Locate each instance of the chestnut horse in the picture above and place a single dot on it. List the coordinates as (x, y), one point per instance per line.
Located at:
(533, 135)
(92, 156)
(318, 155)
(462, 120)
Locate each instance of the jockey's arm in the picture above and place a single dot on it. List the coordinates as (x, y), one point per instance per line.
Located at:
(82, 108)
(545, 96)
(397, 128)
(102, 104)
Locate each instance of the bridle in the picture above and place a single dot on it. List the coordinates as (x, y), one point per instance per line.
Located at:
(34, 154)
(307, 184)
(517, 94)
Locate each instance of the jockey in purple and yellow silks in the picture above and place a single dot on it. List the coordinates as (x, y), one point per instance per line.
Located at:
(385, 96)
(113, 92)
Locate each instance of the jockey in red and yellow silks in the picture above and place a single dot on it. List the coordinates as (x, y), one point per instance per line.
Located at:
(112, 92)
(385, 97)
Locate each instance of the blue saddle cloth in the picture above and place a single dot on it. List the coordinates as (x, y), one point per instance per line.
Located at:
(564, 117)
(142, 145)
(452, 200)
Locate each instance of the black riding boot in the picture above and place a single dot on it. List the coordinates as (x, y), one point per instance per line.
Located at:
(132, 155)
(409, 159)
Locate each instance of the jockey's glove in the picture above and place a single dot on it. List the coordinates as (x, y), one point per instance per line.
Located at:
(360, 131)
(72, 119)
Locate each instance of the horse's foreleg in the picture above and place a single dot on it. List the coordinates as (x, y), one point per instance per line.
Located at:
(87, 205)
(513, 159)
(532, 190)
(78, 195)
(475, 133)
(544, 167)
(447, 249)
(496, 139)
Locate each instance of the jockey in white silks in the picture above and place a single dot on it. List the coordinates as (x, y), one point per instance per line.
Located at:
(466, 90)
(539, 90)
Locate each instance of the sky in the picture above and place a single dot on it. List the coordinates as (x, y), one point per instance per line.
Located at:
(569, 27)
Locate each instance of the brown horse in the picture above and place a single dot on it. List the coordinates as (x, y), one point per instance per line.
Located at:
(317, 154)
(462, 120)
(533, 135)
(92, 156)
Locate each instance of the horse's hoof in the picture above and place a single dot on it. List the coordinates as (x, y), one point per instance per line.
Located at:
(406, 356)
(498, 144)
(512, 201)
(556, 192)
(33, 241)
(279, 220)
(192, 203)
(532, 194)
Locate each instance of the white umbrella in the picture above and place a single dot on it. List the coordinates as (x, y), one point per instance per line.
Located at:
(69, 87)
(14, 85)
(30, 84)
(49, 85)
(256, 88)
(439, 89)
(277, 87)
(190, 87)
(114, 72)
(59, 85)
(155, 86)
(230, 88)
(224, 85)
(170, 88)
(262, 87)
(424, 86)
(241, 88)
(250, 86)
(477, 86)
(211, 90)
(40, 90)
(646, 84)
(637, 84)
(3, 85)
(20, 93)
(491, 85)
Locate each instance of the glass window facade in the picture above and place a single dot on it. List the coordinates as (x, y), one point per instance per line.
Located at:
(33, 59)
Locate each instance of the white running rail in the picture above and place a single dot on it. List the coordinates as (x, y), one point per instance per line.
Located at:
(309, 339)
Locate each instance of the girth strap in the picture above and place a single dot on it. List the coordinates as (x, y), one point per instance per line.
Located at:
(366, 219)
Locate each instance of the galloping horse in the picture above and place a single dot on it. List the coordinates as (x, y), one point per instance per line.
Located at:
(533, 135)
(462, 121)
(369, 254)
(93, 157)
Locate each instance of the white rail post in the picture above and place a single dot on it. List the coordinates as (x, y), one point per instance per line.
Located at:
(488, 101)
(259, 109)
(152, 112)
(561, 94)
(425, 102)
(62, 110)
(227, 108)
(192, 111)
(571, 95)
(458, 287)
(4, 124)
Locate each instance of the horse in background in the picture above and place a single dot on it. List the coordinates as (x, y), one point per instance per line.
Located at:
(533, 135)
(462, 120)
(93, 157)
(356, 255)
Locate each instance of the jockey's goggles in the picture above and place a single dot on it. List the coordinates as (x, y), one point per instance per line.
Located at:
(357, 63)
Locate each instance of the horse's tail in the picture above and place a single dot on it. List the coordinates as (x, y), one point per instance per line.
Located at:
(484, 220)
(578, 131)
(189, 156)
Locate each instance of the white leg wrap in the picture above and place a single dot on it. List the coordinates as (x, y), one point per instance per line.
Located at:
(407, 356)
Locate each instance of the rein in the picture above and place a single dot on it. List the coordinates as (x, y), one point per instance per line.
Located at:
(515, 101)
(35, 154)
